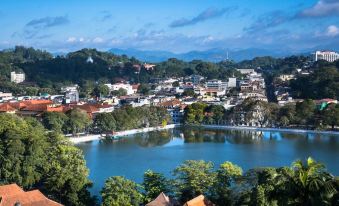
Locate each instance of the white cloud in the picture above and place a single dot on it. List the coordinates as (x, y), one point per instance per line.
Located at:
(322, 8)
(71, 39)
(332, 31)
(98, 40)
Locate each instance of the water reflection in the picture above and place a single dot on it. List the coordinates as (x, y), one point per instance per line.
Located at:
(162, 151)
(198, 135)
(152, 139)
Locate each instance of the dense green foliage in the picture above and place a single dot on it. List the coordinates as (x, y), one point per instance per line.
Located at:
(154, 183)
(48, 74)
(193, 178)
(198, 113)
(305, 114)
(322, 83)
(35, 159)
(304, 183)
(74, 121)
(51, 73)
(126, 118)
(119, 191)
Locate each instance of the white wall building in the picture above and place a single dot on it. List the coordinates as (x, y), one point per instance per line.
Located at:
(17, 77)
(232, 82)
(116, 87)
(245, 71)
(216, 84)
(329, 56)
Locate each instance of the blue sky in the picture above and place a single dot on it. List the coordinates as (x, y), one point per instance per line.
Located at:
(171, 25)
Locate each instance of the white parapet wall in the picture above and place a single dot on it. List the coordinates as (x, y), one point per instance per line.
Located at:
(88, 138)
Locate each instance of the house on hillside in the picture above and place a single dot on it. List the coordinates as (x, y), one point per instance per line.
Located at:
(201, 200)
(162, 200)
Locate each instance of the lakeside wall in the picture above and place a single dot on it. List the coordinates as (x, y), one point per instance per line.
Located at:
(88, 138)
(267, 129)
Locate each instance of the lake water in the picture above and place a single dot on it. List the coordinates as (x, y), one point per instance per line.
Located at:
(163, 151)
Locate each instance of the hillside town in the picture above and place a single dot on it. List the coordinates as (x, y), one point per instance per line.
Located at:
(173, 94)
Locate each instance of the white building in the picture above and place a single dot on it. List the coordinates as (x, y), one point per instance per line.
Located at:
(5, 96)
(232, 82)
(90, 60)
(245, 71)
(117, 86)
(329, 56)
(17, 77)
(71, 93)
(216, 84)
(69, 88)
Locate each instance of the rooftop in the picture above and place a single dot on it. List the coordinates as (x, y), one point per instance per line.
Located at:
(12, 194)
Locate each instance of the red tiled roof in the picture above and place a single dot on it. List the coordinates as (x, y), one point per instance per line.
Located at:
(174, 102)
(87, 107)
(199, 201)
(161, 200)
(11, 189)
(135, 86)
(6, 108)
(11, 194)
(102, 105)
(37, 101)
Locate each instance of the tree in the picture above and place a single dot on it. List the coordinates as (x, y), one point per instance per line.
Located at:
(54, 121)
(331, 115)
(154, 183)
(217, 113)
(176, 84)
(312, 184)
(227, 175)
(194, 113)
(119, 191)
(144, 89)
(305, 111)
(193, 178)
(188, 93)
(78, 120)
(104, 122)
(35, 159)
(322, 83)
(101, 90)
(286, 115)
(119, 92)
(66, 177)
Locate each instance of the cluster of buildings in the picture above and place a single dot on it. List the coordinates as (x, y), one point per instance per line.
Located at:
(329, 56)
(252, 86)
(174, 94)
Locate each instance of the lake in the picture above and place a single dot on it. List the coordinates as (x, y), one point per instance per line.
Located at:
(162, 151)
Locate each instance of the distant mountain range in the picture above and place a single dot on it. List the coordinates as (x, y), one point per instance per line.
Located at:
(213, 55)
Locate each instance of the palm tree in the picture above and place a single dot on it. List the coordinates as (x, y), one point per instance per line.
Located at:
(313, 185)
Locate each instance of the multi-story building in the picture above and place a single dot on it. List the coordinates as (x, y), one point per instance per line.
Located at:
(196, 79)
(71, 93)
(329, 56)
(216, 84)
(232, 82)
(17, 77)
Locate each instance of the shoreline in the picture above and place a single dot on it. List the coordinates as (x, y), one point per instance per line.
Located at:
(89, 138)
(266, 129)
